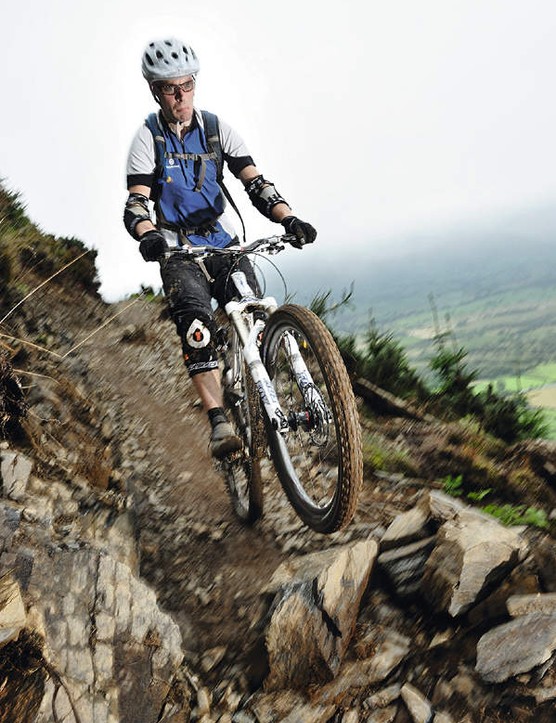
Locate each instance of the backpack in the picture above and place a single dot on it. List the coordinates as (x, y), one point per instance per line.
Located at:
(212, 137)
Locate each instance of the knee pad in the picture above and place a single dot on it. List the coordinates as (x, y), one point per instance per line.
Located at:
(197, 331)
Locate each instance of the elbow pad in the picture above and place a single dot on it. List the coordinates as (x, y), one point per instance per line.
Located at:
(136, 210)
(263, 195)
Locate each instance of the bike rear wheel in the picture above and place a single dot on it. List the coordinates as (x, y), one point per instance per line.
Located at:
(242, 469)
(319, 460)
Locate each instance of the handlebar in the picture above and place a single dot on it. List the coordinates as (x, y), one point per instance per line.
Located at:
(271, 244)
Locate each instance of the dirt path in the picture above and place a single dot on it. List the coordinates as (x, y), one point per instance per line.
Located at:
(192, 547)
(206, 567)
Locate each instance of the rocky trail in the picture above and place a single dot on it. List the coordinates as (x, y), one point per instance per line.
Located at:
(205, 565)
(130, 593)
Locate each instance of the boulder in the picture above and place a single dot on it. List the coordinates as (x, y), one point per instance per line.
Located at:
(314, 614)
(516, 647)
(404, 566)
(525, 604)
(407, 527)
(15, 469)
(105, 637)
(386, 650)
(471, 554)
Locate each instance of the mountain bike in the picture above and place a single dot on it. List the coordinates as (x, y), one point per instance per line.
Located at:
(286, 388)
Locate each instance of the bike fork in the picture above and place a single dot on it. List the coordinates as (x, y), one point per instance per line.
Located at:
(316, 407)
(251, 354)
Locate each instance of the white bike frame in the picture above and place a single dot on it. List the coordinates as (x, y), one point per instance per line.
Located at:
(249, 338)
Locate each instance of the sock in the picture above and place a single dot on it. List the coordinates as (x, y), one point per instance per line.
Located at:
(216, 415)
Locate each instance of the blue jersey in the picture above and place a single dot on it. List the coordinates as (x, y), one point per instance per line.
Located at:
(187, 195)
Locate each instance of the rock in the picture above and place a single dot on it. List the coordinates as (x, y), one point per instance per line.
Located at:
(404, 566)
(382, 698)
(391, 648)
(310, 714)
(380, 640)
(544, 552)
(440, 638)
(10, 519)
(104, 633)
(212, 657)
(521, 581)
(12, 610)
(516, 647)
(315, 614)
(406, 528)
(15, 469)
(384, 715)
(442, 507)
(242, 717)
(419, 707)
(471, 554)
(286, 706)
(525, 604)
(203, 702)
(442, 717)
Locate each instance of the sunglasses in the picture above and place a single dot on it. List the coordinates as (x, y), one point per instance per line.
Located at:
(172, 88)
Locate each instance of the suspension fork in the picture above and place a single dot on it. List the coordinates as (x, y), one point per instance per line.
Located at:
(250, 342)
(316, 408)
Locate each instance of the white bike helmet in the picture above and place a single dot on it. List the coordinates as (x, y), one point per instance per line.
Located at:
(167, 59)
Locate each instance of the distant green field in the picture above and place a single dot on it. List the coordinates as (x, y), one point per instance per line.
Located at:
(543, 375)
(539, 385)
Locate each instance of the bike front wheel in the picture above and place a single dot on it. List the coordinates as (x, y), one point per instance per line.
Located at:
(319, 460)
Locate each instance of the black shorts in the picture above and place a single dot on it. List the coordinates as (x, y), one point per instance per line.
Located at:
(189, 296)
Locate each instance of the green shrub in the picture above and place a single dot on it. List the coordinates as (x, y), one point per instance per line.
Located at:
(453, 486)
(454, 379)
(510, 417)
(324, 307)
(382, 360)
(504, 415)
(517, 515)
(13, 213)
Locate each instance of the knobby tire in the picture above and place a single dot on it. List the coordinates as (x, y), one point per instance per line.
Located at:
(320, 465)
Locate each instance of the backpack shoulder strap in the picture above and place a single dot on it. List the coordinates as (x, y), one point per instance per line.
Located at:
(212, 135)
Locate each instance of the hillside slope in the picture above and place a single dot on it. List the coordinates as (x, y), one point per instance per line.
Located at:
(145, 600)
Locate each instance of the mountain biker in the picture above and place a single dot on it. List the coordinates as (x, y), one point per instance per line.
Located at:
(189, 210)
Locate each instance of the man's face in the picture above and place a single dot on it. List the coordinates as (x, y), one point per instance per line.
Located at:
(176, 98)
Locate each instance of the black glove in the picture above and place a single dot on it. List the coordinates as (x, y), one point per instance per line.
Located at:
(152, 245)
(305, 233)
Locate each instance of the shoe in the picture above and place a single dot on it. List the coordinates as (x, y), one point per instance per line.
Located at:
(223, 440)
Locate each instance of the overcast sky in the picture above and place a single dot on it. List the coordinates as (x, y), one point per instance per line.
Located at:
(376, 119)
